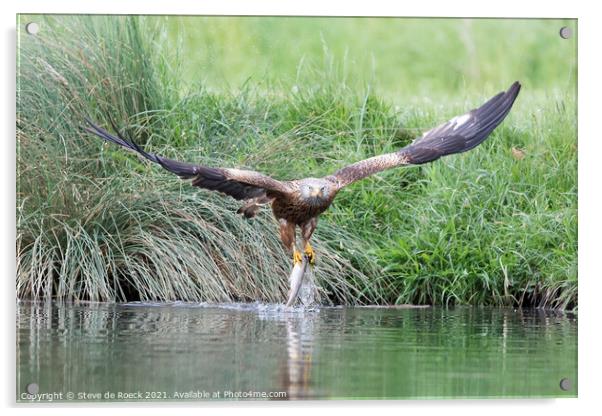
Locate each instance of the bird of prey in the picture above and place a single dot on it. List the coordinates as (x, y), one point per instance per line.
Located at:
(298, 203)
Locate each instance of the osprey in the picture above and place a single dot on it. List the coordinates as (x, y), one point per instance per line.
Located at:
(299, 203)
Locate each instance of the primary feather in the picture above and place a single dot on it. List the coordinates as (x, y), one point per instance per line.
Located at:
(239, 184)
(458, 135)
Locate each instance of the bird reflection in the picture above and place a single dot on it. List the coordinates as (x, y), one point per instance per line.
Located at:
(295, 368)
(296, 377)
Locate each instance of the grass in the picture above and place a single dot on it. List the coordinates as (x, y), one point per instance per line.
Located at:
(494, 226)
(399, 58)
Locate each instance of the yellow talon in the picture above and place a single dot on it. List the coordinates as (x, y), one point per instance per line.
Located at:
(297, 259)
(309, 252)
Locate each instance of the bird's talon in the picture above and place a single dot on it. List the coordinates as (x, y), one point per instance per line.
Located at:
(311, 255)
(297, 259)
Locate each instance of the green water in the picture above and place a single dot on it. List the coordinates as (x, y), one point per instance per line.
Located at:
(195, 352)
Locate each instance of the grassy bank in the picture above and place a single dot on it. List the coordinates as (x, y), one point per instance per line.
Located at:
(493, 226)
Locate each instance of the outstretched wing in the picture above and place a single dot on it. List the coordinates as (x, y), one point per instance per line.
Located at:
(458, 135)
(239, 184)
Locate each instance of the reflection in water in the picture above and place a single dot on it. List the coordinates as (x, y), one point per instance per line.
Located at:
(295, 368)
(185, 351)
(299, 337)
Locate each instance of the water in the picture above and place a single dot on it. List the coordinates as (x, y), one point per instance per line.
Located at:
(190, 352)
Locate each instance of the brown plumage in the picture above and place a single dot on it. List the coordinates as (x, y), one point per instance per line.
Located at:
(300, 202)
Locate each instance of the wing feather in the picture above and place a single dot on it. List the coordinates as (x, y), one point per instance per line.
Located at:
(239, 184)
(458, 135)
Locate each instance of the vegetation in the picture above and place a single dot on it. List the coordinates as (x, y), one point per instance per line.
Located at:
(494, 226)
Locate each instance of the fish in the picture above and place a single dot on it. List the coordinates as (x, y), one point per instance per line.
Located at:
(296, 280)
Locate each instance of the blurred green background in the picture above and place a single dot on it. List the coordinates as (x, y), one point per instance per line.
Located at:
(398, 57)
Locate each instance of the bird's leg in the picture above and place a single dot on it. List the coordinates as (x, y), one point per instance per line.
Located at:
(307, 229)
(287, 235)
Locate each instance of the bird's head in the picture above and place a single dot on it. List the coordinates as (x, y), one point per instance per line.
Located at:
(315, 190)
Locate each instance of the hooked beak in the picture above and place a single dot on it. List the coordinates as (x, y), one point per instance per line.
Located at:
(316, 192)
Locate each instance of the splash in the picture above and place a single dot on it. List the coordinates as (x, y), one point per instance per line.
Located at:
(308, 292)
(258, 307)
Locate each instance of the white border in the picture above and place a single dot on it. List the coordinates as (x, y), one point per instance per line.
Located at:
(589, 183)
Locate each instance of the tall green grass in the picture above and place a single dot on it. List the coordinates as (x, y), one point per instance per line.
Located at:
(492, 226)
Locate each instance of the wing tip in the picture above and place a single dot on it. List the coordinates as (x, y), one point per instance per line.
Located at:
(514, 88)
